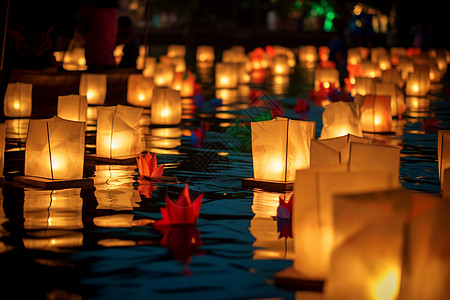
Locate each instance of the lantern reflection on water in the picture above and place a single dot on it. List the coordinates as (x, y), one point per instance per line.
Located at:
(93, 86)
(18, 100)
(16, 129)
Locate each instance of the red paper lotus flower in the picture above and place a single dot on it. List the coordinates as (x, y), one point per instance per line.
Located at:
(148, 167)
(182, 211)
(301, 106)
(284, 210)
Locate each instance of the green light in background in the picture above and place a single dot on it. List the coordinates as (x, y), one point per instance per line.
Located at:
(328, 25)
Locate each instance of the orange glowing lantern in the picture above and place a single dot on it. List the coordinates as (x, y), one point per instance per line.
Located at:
(187, 85)
(72, 107)
(392, 75)
(398, 105)
(280, 65)
(226, 75)
(205, 53)
(18, 99)
(312, 215)
(418, 83)
(118, 132)
(363, 86)
(396, 53)
(324, 53)
(334, 151)
(93, 86)
(166, 107)
(384, 62)
(175, 50)
(164, 74)
(327, 77)
(179, 63)
(341, 118)
(405, 66)
(147, 65)
(74, 60)
(443, 148)
(54, 154)
(369, 69)
(139, 90)
(376, 113)
(279, 147)
(307, 53)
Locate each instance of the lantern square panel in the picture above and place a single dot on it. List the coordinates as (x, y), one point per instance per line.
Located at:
(166, 107)
(72, 107)
(18, 100)
(140, 90)
(339, 119)
(93, 86)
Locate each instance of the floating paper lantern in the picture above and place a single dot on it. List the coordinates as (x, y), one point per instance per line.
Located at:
(324, 53)
(17, 129)
(226, 75)
(118, 133)
(188, 85)
(174, 50)
(312, 218)
(147, 65)
(74, 60)
(384, 62)
(363, 86)
(405, 66)
(398, 105)
(72, 107)
(369, 69)
(418, 83)
(280, 65)
(17, 102)
(341, 118)
(307, 53)
(140, 90)
(166, 107)
(179, 63)
(327, 77)
(205, 53)
(333, 151)
(356, 55)
(279, 147)
(54, 151)
(443, 149)
(93, 86)
(164, 74)
(392, 75)
(396, 53)
(376, 113)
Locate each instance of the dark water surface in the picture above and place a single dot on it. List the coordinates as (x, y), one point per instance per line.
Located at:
(100, 244)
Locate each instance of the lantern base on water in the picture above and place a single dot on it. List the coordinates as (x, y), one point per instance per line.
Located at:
(292, 280)
(119, 160)
(269, 185)
(56, 183)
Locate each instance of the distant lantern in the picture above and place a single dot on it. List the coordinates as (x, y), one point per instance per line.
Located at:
(389, 245)
(324, 53)
(74, 59)
(333, 151)
(326, 77)
(405, 66)
(93, 86)
(243, 74)
(179, 63)
(363, 86)
(164, 74)
(280, 65)
(395, 53)
(376, 113)
(307, 53)
(188, 85)
(175, 50)
(377, 52)
(392, 75)
(226, 75)
(417, 83)
(205, 53)
(18, 99)
(369, 69)
(118, 132)
(166, 107)
(341, 118)
(54, 151)
(312, 216)
(279, 147)
(2, 148)
(148, 66)
(353, 56)
(443, 151)
(72, 107)
(140, 90)
(398, 105)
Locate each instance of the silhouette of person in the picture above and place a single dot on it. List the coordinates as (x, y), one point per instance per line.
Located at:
(126, 37)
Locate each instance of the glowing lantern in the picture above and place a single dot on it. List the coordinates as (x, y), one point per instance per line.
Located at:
(307, 54)
(369, 69)
(74, 60)
(118, 133)
(405, 66)
(226, 75)
(363, 86)
(398, 105)
(164, 74)
(384, 62)
(443, 148)
(312, 216)
(376, 53)
(375, 113)
(334, 151)
(17, 102)
(179, 63)
(324, 53)
(392, 75)
(280, 65)
(396, 53)
(340, 118)
(140, 90)
(279, 147)
(147, 65)
(243, 74)
(176, 50)
(205, 53)
(72, 107)
(54, 153)
(166, 107)
(93, 86)
(2, 148)
(389, 245)
(353, 56)
(417, 83)
(326, 76)
(435, 73)
(187, 85)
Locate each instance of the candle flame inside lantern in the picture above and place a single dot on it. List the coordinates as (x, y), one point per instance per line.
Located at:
(57, 163)
(90, 95)
(386, 288)
(224, 80)
(376, 121)
(141, 97)
(279, 69)
(16, 105)
(165, 112)
(326, 84)
(415, 88)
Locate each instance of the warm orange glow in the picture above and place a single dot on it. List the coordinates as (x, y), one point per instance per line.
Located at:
(357, 10)
(141, 97)
(224, 80)
(415, 88)
(16, 105)
(90, 95)
(326, 85)
(387, 287)
(165, 112)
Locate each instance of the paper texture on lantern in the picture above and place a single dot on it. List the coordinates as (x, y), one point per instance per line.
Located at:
(443, 148)
(417, 84)
(140, 90)
(18, 99)
(312, 218)
(205, 53)
(374, 157)
(164, 74)
(93, 86)
(226, 75)
(279, 147)
(72, 107)
(166, 107)
(2, 147)
(118, 132)
(341, 118)
(398, 105)
(55, 149)
(375, 113)
(363, 86)
(333, 151)
(374, 243)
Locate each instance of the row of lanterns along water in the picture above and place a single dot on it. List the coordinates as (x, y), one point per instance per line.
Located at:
(348, 206)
